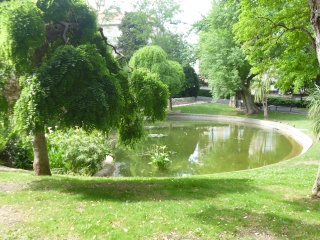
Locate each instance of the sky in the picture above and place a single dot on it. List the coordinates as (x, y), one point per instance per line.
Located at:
(192, 10)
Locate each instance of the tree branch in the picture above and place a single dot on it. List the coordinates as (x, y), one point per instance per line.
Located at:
(301, 28)
(53, 32)
(66, 27)
(105, 39)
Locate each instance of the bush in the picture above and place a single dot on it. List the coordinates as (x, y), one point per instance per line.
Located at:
(279, 101)
(205, 93)
(18, 152)
(75, 151)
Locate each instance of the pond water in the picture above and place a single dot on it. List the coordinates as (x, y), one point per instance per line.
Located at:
(205, 148)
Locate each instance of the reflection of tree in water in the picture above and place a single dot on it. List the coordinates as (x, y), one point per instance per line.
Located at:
(266, 148)
(203, 149)
(225, 149)
(235, 147)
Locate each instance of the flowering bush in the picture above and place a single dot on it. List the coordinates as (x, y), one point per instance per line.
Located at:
(160, 158)
(75, 151)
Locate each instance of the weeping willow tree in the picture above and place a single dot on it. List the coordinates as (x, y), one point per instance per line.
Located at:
(154, 60)
(67, 74)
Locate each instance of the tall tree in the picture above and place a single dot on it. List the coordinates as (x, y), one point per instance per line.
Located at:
(192, 83)
(221, 58)
(263, 25)
(278, 35)
(161, 13)
(153, 22)
(136, 32)
(176, 47)
(67, 73)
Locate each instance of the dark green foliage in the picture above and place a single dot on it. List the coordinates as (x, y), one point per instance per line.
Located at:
(17, 153)
(63, 92)
(67, 73)
(192, 85)
(136, 30)
(76, 151)
(54, 10)
(151, 94)
(279, 101)
(205, 93)
(105, 52)
(131, 130)
(21, 24)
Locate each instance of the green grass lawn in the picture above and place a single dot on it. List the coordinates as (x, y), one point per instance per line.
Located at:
(272, 202)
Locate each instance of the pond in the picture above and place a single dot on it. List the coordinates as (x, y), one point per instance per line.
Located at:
(206, 148)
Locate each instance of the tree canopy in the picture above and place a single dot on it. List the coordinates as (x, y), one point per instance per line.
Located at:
(136, 32)
(154, 23)
(221, 59)
(67, 73)
(278, 35)
(154, 60)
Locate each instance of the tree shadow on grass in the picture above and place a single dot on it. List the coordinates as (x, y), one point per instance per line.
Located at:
(142, 189)
(244, 223)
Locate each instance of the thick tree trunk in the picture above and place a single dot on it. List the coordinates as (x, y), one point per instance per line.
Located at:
(315, 22)
(234, 101)
(248, 102)
(41, 159)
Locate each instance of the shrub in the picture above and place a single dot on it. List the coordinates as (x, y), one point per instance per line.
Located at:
(160, 158)
(204, 93)
(18, 152)
(75, 151)
(279, 101)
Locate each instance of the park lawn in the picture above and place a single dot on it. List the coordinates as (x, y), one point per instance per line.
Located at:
(272, 202)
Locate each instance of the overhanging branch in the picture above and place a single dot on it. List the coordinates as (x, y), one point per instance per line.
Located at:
(104, 38)
(300, 28)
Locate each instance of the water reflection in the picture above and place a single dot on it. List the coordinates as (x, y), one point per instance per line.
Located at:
(207, 148)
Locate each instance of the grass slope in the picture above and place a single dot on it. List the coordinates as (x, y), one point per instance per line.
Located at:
(272, 202)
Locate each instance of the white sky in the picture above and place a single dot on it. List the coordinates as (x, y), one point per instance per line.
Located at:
(192, 10)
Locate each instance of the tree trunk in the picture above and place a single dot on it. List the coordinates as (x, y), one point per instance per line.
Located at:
(265, 109)
(248, 102)
(315, 22)
(234, 101)
(41, 159)
(316, 185)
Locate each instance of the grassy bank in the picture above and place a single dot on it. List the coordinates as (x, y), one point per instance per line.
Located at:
(272, 202)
